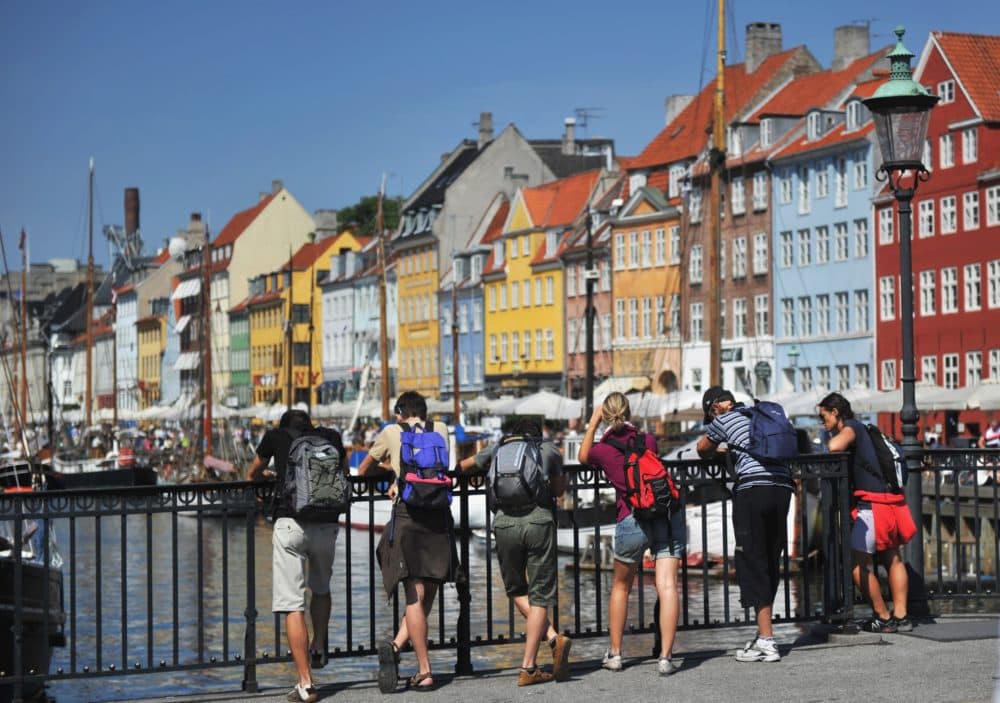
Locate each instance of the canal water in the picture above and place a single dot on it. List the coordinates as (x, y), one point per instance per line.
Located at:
(179, 584)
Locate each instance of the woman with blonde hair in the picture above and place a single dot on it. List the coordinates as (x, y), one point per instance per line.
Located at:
(665, 537)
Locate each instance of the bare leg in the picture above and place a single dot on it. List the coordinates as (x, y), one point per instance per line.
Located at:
(534, 627)
(522, 605)
(764, 628)
(899, 582)
(866, 581)
(298, 642)
(666, 589)
(618, 603)
(319, 613)
(419, 598)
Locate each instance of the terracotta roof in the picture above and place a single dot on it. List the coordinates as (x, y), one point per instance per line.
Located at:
(495, 228)
(975, 59)
(268, 297)
(814, 90)
(240, 306)
(686, 135)
(866, 89)
(240, 221)
(560, 202)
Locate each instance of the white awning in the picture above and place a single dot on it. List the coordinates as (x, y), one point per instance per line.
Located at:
(182, 323)
(186, 289)
(187, 361)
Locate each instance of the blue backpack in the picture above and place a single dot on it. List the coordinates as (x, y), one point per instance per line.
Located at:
(423, 468)
(772, 435)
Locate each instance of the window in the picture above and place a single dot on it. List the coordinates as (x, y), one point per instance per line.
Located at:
(950, 370)
(823, 314)
(787, 317)
(694, 205)
(503, 295)
(803, 190)
(843, 377)
(949, 214)
(993, 206)
(619, 251)
(463, 318)
(697, 321)
(805, 247)
(973, 368)
(805, 316)
(675, 315)
(694, 264)
(498, 252)
(946, 148)
(840, 183)
(760, 253)
(928, 288)
(740, 317)
(737, 200)
(740, 257)
(633, 250)
(993, 284)
(822, 244)
(887, 298)
(786, 249)
(928, 369)
(766, 132)
(675, 244)
(995, 364)
(526, 292)
(571, 281)
(604, 269)
(823, 377)
(647, 316)
(722, 259)
(660, 320)
(762, 322)
(855, 115)
(970, 210)
(661, 244)
(734, 140)
(949, 290)
(973, 287)
(814, 126)
(861, 323)
(785, 189)
(550, 344)
(493, 349)
(860, 171)
(477, 316)
(861, 238)
(842, 312)
(840, 239)
(946, 91)
(493, 299)
(885, 225)
(446, 321)
(927, 159)
(760, 191)
(606, 331)
(677, 174)
(970, 145)
(549, 290)
(525, 244)
(539, 342)
(822, 180)
(888, 374)
(646, 250)
(538, 291)
(619, 318)
(571, 334)
(633, 318)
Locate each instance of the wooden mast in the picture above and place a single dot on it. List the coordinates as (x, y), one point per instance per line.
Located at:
(206, 322)
(88, 399)
(289, 337)
(717, 162)
(455, 390)
(383, 329)
(114, 356)
(24, 330)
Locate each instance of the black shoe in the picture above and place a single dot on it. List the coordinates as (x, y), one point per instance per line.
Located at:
(388, 666)
(903, 624)
(877, 625)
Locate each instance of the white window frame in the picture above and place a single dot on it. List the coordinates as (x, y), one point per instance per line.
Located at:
(973, 286)
(993, 284)
(841, 244)
(805, 312)
(928, 293)
(660, 246)
(738, 196)
(761, 315)
(822, 244)
(946, 150)
(861, 238)
(785, 188)
(697, 322)
(695, 265)
(946, 91)
(993, 206)
(804, 203)
(888, 374)
(885, 225)
(949, 214)
(633, 250)
(645, 249)
(949, 290)
(950, 363)
(740, 317)
(694, 205)
(862, 321)
(925, 219)
(822, 180)
(787, 249)
(675, 245)
(887, 298)
(803, 246)
(973, 368)
(929, 369)
(840, 182)
(970, 210)
(619, 251)
(740, 257)
(760, 191)
(760, 253)
(787, 317)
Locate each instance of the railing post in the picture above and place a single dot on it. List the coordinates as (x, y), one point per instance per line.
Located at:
(250, 613)
(847, 557)
(18, 629)
(463, 658)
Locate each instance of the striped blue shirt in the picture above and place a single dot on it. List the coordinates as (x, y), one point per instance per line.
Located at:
(733, 428)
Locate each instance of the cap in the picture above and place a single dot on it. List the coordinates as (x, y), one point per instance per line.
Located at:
(715, 394)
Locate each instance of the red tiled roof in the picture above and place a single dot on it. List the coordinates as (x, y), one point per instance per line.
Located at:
(495, 228)
(686, 135)
(866, 89)
(264, 297)
(975, 59)
(814, 90)
(239, 222)
(560, 202)
(240, 306)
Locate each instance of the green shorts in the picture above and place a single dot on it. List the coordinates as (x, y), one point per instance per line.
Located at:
(526, 551)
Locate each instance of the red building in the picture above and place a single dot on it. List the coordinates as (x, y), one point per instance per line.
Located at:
(956, 233)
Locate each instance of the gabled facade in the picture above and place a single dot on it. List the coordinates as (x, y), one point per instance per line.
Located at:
(127, 350)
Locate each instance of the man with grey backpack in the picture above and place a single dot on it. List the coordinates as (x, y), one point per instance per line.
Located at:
(523, 479)
(311, 490)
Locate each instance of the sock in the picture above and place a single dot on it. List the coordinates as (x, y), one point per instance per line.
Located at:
(765, 640)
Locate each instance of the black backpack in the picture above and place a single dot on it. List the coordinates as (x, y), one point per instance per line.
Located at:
(891, 462)
(316, 489)
(516, 478)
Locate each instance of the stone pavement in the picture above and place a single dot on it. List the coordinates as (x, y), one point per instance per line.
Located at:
(945, 659)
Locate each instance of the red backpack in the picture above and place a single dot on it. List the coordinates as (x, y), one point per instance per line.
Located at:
(650, 490)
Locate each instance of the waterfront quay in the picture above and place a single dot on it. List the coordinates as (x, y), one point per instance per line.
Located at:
(952, 658)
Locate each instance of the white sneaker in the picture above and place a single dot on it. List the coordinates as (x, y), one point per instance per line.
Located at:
(612, 662)
(301, 694)
(758, 650)
(666, 667)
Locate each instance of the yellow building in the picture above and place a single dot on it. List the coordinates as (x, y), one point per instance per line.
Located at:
(151, 333)
(525, 303)
(419, 336)
(266, 314)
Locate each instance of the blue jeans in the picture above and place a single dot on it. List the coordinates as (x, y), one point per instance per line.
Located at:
(664, 538)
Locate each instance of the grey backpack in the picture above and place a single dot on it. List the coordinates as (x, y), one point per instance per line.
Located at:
(316, 488)
(516, 478)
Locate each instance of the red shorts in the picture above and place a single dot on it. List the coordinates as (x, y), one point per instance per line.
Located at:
(894, 525)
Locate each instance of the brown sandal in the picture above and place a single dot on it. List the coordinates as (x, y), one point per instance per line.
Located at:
(416, 682)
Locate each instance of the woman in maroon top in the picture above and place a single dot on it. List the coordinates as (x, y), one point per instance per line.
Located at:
(665, 538)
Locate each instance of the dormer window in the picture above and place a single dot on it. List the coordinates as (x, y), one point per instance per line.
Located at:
(766, 132)
(498, 251)
(855, 115)
(636, 181)
(477, 267)
(459, 270)
(551, 242)
(814, 126)
(407, 225)
(677, 173)
(735, 139)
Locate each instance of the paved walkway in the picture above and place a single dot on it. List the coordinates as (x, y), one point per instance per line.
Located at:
(944, 660)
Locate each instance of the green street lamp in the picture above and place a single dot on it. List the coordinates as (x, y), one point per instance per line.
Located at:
(901, 110)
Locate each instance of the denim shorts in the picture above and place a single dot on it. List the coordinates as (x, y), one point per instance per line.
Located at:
(664, 538)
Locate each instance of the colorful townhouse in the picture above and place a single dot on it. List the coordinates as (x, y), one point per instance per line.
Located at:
(956, 231)
(525, 318)
(670, 163)
(822, 258)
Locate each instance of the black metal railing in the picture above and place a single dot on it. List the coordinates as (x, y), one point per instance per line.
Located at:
(172, 579)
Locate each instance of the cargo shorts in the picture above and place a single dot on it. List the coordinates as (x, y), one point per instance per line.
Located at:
(526, 551)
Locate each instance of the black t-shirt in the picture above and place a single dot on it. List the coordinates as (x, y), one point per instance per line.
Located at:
(866, 475)
(277, 443)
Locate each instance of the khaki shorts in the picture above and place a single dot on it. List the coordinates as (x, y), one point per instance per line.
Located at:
(301, 551)
(526, 551)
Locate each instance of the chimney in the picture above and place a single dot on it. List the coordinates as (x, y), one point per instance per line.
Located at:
(485, 128)
(131, 210)
(195, 231)
(850, 42)
(674, 105)
(326, 223)
(276, 185)
(569, 138)
(763, 40)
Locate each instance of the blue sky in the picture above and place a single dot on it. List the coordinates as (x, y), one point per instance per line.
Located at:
(202, 104)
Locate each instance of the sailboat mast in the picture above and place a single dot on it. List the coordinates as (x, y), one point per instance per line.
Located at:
(206, 319)
(24, 330)
(114, 356)
(383, 324)
(717, 162)
(455, 390)
(289, 337)
(88, 400)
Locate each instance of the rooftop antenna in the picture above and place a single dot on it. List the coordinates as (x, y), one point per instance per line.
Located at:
(585, 114)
